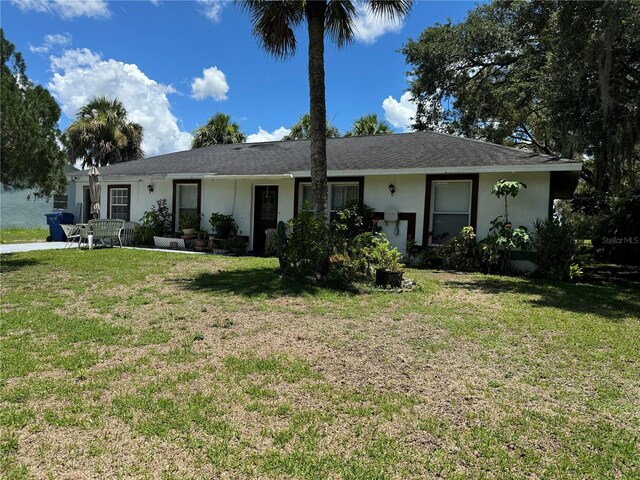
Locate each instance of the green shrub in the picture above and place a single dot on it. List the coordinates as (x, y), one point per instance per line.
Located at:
(380, 252)
(554, 246)
(306, 250)
(462, 251)
(155, 222)
(223, 225)
(350, 221)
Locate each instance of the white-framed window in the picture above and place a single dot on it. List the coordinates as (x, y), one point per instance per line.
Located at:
(340, 194)
(119, 202)
(450, 208)
(60, 202)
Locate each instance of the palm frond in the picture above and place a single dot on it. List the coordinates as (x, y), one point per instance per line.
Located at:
(274, 23)
(340, 21)
(390, 8)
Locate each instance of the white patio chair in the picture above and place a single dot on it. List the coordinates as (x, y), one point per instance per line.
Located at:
(72, 232)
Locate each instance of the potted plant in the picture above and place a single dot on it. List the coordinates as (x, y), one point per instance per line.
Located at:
(224, 226)
(189, 223)
(237, 245)
(387, 257)
(202, 240)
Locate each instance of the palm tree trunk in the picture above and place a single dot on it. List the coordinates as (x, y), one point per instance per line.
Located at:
(315, 11)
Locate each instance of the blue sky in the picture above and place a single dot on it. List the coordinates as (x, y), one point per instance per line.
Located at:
(175, 63)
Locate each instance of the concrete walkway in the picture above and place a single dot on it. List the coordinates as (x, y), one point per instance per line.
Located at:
(30, 247)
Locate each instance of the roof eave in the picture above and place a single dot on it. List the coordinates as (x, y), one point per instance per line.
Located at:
(555, 167)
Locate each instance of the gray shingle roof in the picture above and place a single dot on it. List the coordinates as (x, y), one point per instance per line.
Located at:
(383, 152)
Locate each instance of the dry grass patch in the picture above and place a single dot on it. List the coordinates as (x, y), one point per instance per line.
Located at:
(148, 364)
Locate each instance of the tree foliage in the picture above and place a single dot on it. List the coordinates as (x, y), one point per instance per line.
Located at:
(30, 154)
(101, 134)
(369, 125)
(218, 130)
(301, 130)
(562, 78)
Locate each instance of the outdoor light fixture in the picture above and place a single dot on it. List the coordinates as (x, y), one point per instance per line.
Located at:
(150, 188)
(392, 189)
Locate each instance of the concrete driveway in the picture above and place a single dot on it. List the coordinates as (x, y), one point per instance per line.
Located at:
(30, 247)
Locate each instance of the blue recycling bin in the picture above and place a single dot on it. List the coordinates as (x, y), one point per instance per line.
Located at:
(54, 220)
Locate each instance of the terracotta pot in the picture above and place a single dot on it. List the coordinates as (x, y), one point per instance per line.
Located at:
(187, 232)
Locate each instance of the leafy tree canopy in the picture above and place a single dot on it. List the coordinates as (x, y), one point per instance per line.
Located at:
(562, 78)
(30, 154)
(369, 125)
(102, 134)
(301, 130)
(219, 129)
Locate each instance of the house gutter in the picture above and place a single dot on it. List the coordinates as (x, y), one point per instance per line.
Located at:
(83, 177)
(562, 167)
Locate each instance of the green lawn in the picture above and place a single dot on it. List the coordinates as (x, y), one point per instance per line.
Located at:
(134, 364)
(23, 235)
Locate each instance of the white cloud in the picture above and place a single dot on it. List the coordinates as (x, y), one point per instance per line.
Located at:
(51, 42)
(80, 57)
(400, 114)
(264, 136)
(212, 9)
(212, 84)
(369, 26)
(66, 9)
(81, 74)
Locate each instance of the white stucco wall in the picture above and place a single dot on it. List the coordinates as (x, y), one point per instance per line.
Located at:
(408, 198)
(235, 197)
(231, 197)
(530, 204)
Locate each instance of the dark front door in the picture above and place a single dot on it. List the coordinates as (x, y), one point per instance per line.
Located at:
(86, 205)
(265, 215)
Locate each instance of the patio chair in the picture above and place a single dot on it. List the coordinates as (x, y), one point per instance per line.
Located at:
(106, 230)
(126, 233)
(83, 233)
(72, 232)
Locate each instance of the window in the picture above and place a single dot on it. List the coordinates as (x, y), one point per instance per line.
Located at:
(343, 195)
(450, 208)
(306, 194)
(60, 202)
(340, 195)
(186, 200)
(118, 207)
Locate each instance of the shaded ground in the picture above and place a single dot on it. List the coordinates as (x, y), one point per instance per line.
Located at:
(123, 363)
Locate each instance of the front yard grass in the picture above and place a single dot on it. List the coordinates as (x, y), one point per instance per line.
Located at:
(121, 363)
(23, 235)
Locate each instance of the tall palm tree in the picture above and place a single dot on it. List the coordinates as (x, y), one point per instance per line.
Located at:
(302, 129)
(274, 23)
(219, 129)
(369, 125)
(101, 134)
